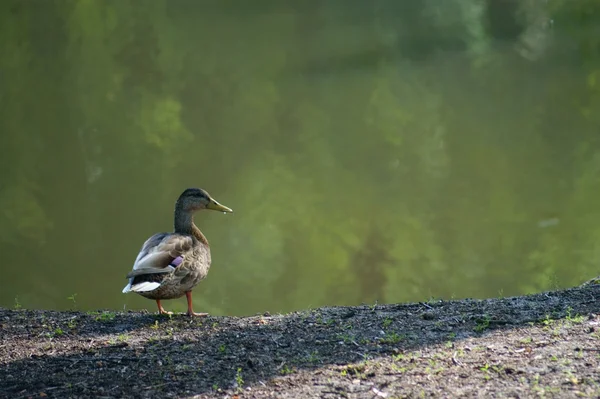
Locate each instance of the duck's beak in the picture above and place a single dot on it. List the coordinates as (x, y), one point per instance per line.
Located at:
(215, 206)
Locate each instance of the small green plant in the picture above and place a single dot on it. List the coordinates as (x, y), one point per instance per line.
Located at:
(357, 370)
(482, 324)
(397, 358)
(285, 370)
(72, 299)
(105, 316)
(574, 319)
(432, 300)
(222, 348)
(547, 320)
(155, 325)
(72, 323)
(387, 322)
(313, 357)
(486, 371)
(398, 369)
(391, 338)
(535, 381)
(239, 380)
(17, 303)
(572, 378)
(57, 332)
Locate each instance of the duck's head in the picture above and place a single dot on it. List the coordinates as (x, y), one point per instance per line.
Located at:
(195, 199)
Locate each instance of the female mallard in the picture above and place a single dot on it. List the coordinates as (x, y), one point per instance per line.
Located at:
(170, 265)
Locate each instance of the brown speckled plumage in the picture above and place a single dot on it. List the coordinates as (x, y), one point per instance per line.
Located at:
(184, 278)
(170, 265)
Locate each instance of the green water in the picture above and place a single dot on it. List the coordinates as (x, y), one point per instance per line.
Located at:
(372, 151)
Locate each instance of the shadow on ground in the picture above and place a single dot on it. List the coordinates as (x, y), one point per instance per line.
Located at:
(70, 354)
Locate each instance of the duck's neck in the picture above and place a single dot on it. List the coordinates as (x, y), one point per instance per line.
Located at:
(184, 224)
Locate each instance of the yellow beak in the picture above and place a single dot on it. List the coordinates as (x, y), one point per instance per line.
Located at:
(215, 206)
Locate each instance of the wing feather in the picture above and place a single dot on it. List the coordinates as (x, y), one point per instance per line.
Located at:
(160, 254)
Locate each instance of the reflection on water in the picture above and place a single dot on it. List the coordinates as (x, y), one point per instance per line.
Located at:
(385, 152)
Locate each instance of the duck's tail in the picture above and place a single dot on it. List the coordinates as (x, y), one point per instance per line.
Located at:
(144, 286)
(127, 288)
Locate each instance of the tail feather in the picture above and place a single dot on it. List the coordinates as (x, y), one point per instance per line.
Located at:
(127, 288)
(141, 287)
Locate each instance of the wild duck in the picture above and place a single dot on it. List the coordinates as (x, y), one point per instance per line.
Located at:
(170, 265)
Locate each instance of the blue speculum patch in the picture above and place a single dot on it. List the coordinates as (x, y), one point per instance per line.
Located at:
(177, 261)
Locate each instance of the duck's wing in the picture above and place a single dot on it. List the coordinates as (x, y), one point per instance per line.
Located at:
(161, 253)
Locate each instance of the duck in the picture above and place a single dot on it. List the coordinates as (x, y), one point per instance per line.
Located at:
(170, 265)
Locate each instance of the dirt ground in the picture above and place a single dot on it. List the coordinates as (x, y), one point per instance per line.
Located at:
(541, 345)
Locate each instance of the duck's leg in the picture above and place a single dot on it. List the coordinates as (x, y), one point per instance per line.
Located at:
(190, 311)
(161, 310)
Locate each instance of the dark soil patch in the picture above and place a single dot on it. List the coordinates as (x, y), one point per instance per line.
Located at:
(545, 344)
